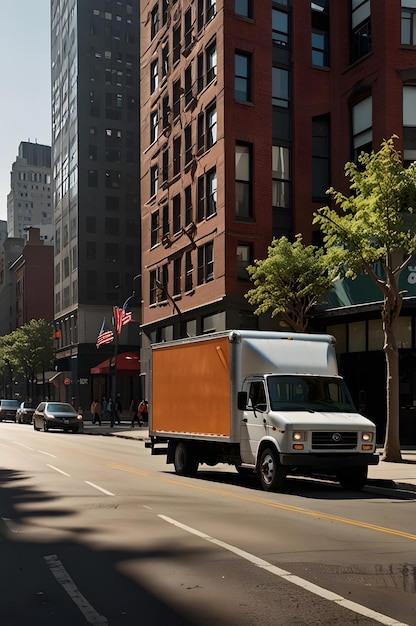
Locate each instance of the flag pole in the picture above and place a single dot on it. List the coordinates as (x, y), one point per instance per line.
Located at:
(113, 373)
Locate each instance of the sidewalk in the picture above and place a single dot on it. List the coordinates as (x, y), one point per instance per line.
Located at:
(398, 476)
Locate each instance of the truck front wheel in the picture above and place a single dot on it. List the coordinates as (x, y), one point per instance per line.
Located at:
(353, 478)
(272, 474)
(184, 461)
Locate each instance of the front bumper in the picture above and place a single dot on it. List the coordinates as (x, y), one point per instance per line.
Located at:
(328, 461)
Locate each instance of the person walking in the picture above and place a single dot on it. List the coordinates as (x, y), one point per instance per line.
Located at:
(109, 412)
(143, 412)
(134, 405)
(96, 412)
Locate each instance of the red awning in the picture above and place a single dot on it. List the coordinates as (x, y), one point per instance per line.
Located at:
(127, 363)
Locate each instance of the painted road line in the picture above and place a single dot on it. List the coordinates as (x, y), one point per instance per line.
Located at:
(58, 470)
(48, 454)
(108, 493)
(64, 579)
(295, 580)
(18, 443)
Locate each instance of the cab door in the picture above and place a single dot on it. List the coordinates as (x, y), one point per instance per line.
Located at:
(254, 420)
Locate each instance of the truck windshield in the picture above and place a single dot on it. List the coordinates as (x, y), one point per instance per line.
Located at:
(315, 393)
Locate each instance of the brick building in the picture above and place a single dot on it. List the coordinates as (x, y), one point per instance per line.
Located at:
(249, 111)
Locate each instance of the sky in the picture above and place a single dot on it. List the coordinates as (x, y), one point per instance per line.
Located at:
(25, 109)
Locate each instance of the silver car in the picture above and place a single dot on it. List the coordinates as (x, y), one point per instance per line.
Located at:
(60, 415)
(25, 412)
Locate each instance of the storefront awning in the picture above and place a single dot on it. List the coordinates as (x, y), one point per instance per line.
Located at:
(127, 363)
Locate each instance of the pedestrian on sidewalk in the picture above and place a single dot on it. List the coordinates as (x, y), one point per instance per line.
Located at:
(110, 412)
(134, 405)
(143, 412)
(118, 408)
(96, 412)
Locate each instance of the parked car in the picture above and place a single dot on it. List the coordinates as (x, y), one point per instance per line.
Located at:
(51, 415)
(25, 412)
(8, 409)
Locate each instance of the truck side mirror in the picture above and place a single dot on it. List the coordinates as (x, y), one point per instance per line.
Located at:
(242, 400)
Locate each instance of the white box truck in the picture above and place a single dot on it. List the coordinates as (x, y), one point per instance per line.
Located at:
(272, 403)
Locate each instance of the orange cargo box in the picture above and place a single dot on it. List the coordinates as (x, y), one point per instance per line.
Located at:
(191, 388)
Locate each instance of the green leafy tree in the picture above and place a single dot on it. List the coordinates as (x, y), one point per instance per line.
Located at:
(373, 231)
(290, 281)
(29, 351)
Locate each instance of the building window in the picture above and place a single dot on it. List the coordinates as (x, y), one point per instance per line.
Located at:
(153, 289)
(243, 8)
(165, 112)
(242, 77)
(154, 25)
(280, 28)
(188, 27)
(154, 75)
(112, 253)
(280, 87)
(200, 70)
(165, 165)
(211, 124)
(243, 181)
(206, 11)
(176, 98)
(361, 29)
(177, 276)
(362, 127)
(244, 258)
(188, 271)
(188, 84)
(320, 157)
(176, 156)
(206, 263)
(188, 144)
(154, 180)
(165, 221)
(211, 62)
(188, 205)
(320, 33)
(210, 9)
(201, 198)
(176, 202)
(112, 179)
(409, 124)
(211, 186)
(154, 126)
(176, 44)
(408, 22)
(280, 177)
(154, 229)
(92, 178)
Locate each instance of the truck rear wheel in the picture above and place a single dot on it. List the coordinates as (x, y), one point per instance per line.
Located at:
(272, 474)
(353, 478)
(184, 461)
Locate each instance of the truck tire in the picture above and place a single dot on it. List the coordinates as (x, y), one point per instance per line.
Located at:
(353, 478)
(272, 474)
(184, 461)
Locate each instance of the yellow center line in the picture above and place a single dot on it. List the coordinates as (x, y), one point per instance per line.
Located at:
(275, 505)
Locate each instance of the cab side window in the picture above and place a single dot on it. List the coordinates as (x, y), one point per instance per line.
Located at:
(257, 395)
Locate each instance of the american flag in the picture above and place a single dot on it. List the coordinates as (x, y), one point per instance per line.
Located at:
(122, 316)
(106, 334)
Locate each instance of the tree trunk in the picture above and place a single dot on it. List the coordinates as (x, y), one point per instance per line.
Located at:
(391, 311)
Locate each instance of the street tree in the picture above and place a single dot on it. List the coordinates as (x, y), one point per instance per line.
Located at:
(373, 232)
(30, 351)
(290, 281)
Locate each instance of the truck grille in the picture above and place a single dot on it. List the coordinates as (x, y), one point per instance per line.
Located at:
(334, 440)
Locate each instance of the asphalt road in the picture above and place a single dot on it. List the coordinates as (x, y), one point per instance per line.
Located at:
(94, 530)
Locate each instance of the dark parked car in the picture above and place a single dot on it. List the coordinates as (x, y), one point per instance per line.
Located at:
(25, 412)
(60, 415)
(8, 409)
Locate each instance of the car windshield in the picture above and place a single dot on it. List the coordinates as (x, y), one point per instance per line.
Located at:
(314, 393)
(10, 404)
(56, 407)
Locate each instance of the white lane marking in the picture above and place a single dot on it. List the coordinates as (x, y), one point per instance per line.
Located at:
(18, 443)
(296, 580)
(72, 590)
(108, 493)
(48, 454)
(57, 469)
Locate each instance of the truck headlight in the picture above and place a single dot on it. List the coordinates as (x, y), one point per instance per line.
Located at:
(367, 437)
(299, 435)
